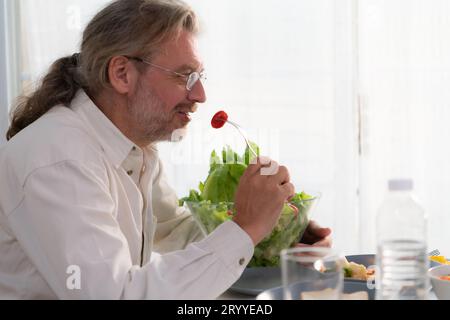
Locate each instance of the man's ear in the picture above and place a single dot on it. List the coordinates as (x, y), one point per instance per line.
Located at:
(121, 74)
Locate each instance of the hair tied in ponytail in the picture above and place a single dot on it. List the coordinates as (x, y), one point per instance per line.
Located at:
(76, 59)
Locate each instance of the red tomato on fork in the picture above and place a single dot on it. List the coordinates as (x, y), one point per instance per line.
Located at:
(219, 119)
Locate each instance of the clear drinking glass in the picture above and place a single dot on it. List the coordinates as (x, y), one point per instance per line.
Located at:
(311, 273)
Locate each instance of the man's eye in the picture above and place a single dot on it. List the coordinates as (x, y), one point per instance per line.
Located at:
(181, 76)
(181, 79)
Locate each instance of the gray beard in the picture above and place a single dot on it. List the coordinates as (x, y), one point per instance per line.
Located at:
(149, 115)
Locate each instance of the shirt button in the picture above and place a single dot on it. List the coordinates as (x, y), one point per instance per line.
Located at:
(134, 149)
(130, 172)
(241, 261)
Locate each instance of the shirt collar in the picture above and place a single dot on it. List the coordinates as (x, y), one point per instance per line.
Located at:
(113, 142)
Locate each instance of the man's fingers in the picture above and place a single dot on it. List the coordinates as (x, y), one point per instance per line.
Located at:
(289, 190)
(302, 245)
(314, 229)
(264, 161)
(255, 167)
(283, 175)
(327, 242)
(316, 234)
(269, 167)
(322, 232)
(265, 166)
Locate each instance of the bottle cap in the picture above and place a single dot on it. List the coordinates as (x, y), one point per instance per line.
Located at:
(400, 184)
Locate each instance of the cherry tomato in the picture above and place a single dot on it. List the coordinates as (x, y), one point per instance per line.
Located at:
(219, 119)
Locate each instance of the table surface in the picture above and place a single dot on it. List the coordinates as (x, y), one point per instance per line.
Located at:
(231, 295)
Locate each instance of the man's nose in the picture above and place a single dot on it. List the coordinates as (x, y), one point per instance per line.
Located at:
(197, 94)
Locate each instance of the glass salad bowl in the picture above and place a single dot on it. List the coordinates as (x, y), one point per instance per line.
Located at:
(288, 231)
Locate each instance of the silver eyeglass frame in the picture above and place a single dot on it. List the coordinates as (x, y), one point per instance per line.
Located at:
(191, 79)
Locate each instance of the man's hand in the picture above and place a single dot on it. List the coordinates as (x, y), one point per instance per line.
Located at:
(316, 236)
(260, 198)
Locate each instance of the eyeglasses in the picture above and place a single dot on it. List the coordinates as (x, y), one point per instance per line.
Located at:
(191, 79)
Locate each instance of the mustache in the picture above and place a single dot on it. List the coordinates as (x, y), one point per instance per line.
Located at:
(187, 107)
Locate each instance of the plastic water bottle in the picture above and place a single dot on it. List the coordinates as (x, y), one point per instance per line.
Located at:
(402, 247)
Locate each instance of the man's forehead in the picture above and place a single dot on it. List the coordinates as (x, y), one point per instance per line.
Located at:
(181, 52)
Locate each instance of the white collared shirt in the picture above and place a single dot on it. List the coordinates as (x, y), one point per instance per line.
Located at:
(85, 214)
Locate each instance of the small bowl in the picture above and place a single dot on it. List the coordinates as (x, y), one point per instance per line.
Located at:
(441, 287)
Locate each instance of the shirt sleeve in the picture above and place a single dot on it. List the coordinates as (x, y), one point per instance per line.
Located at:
(65, 219)
(176, 227)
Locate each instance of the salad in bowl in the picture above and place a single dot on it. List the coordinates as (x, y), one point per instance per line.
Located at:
(213, 204)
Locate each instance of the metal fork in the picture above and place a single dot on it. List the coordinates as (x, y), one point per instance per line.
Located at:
(434, 253)
(244, 135)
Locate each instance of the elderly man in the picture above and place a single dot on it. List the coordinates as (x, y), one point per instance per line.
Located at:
(85, 209)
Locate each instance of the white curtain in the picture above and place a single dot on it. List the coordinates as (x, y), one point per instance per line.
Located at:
(51, 29)
(404, 59)
(4, 97)
(346, 93)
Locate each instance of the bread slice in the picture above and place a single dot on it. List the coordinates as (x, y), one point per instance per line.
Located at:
(331, 294)
(359, 295)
